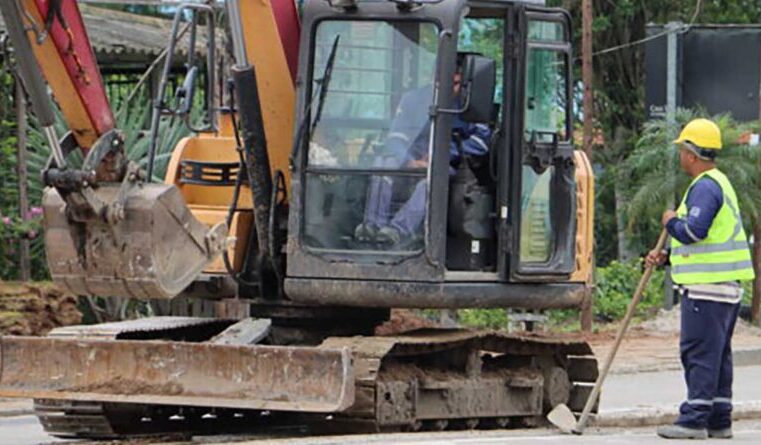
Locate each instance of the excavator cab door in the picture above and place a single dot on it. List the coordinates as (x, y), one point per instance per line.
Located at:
(540, 211)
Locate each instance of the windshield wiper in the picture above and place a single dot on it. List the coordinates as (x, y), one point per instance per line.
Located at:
(327, 74)
(323, 83)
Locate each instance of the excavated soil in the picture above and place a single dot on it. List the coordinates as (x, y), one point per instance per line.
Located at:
(653, 345)
(35, 308)
(403, 320)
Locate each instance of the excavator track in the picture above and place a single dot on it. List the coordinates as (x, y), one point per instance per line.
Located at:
(430, 379)
(459, 379)
(105, 421)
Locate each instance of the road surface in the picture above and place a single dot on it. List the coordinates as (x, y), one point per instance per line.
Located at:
(24, 430)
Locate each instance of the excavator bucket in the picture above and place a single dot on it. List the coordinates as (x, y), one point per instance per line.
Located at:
(155, 251)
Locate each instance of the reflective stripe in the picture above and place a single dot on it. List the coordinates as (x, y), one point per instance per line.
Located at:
(691, 249)
(723, 290)
(700, 402)
(722, 400)
(736, 213)
(697, 294)
(729, 287)
(480, 142)
(708, 267)
(398, 135)
(692, 235)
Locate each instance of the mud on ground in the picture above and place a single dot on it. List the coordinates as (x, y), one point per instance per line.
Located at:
(35, 308)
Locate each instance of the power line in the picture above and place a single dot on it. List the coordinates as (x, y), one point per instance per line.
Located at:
(680, 30)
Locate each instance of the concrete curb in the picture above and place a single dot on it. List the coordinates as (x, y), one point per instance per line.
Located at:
(15, 407)
(14, 412)
(740, 357)
(652, 416)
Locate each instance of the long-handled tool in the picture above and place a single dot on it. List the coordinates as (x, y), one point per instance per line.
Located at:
(561, 416)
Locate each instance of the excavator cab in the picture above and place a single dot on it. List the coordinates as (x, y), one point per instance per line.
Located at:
(390, 206)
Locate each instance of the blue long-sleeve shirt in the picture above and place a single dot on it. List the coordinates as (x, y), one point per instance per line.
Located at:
(410, 129)
(704, 200)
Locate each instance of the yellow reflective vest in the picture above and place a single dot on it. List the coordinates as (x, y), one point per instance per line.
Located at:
(724, 254)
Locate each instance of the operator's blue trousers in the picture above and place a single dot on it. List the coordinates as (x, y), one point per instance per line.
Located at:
(706, 350)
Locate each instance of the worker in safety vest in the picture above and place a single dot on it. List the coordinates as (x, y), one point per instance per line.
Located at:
(709, 256)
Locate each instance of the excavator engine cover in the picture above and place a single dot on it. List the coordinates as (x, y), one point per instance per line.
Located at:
(154, 251)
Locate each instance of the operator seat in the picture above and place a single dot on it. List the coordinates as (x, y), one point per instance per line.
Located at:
(204, 168)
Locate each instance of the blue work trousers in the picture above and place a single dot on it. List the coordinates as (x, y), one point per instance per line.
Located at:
(408, 218)
(705, 345)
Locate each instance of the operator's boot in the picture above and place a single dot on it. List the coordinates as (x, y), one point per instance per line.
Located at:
(681, 432)
(724, 433)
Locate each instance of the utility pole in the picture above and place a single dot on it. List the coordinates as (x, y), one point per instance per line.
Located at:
(587, 74)
(672, 70)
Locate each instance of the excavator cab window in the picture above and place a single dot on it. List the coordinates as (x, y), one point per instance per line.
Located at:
(543, 203)
(471, 220)
(369, 138)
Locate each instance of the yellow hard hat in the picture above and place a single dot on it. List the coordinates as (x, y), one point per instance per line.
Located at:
(701, 133)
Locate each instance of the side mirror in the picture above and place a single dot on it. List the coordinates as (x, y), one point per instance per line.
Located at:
(479, 82)
(186, 92)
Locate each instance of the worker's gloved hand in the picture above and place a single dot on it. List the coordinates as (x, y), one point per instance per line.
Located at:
(656, 258)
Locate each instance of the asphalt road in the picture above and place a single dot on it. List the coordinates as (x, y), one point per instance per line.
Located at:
(24, 430)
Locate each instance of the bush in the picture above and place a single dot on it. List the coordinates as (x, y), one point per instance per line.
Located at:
(483, 318)
(616, 284)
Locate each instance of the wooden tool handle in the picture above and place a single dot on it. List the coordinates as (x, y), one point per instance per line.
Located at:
(581, 424)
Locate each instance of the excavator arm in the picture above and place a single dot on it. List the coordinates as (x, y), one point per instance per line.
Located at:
(108, 230)
(66, 60)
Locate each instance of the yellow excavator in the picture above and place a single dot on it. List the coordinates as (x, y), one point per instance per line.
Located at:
(327, 181)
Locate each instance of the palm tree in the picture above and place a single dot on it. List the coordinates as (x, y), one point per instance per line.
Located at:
(655, 180)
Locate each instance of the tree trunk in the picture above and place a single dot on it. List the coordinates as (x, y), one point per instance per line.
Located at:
(23, 195)
(623, 251)
(619, 140)
(755, 306)
(587, 75)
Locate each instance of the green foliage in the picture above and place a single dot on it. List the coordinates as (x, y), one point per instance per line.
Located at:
(619, 92)
(616, 285)
(655, 180)
(133, 122)
(483, 318)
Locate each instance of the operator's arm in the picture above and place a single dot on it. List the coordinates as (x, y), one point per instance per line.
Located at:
(703, 203)
(408, 135)
(474, 141)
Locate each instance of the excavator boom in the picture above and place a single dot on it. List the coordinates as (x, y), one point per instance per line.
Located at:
(62, 49)
(108, 231)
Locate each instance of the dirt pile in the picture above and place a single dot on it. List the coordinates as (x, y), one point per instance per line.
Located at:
(401, 321)
(35, 308)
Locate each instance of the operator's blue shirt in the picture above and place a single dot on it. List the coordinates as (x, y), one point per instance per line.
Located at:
(410, 130)
(704, 200)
